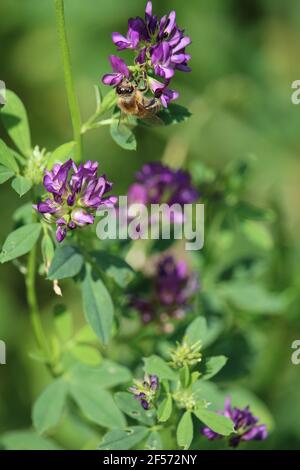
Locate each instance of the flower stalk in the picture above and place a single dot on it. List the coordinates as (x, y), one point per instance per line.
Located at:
(69, 81)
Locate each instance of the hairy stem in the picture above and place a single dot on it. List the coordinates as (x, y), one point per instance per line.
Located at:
(69, 82)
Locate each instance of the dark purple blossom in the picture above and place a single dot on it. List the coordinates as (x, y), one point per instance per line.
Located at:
(157, 183)
(171, 290)
(161, 91)
(160, 50)
(120, 72)
(245, 424)
(74, 195)
(145, 390)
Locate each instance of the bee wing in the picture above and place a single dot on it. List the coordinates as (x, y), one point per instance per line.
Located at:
(152, 120)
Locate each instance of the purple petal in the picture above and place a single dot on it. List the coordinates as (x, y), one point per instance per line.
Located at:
(149, 8)
(112, 79)
(120, 41)
(184, 42)
(119, 66)
(61, 233)
(81, 217)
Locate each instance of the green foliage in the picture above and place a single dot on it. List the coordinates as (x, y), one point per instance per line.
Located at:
(174, 114)
(126, 402)
(218, 423)
(123, 439)
(7, 158)
(67, 262)
(164, 410)
(114, 267)
(97, 404)
(5, 174)
(61, 154)
(14, 118)
(157, 366)
(49, 406)
(121, 133)
(20, 241)
(185, 431)
(21, 185)
(26, 440)
(98, 305)
(213, 365)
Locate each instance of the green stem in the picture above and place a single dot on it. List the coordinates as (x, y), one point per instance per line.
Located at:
(33, 304)
(69, 82)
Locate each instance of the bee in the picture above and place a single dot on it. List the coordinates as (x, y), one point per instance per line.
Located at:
(133, 102)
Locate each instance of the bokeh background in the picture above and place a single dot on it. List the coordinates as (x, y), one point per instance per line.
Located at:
(245, 56)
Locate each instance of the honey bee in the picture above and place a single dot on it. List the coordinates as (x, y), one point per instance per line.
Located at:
(133, 102)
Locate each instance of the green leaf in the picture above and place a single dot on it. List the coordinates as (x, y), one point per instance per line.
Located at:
(21, 185)
(61, 154)
(196, 331)
(20, 242)
(253, 298)
(121, 134)
(5, 174)
(205, 391)
(114, 267)
(98, 306)
(154, 441)
(185, 431)
(108, 375)
(14, 118)
(175, 114)
(157, 366)
(123, 439)
(23, 214)
(213, 365)
(97, 405)
(26, 440)
(218, 423)
(87, 354)
(109, 101)
(67, 262)
(7, 158)
(127, 403)
(48, 408)
(165, 409)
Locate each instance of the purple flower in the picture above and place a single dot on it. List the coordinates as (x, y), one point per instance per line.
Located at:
(161, 60)
(245, 424)
(160, 50)
(120, 71)
(174, 285)
(161, 91)
(157, 183)
(171, 290)
(136, 32)
(74, 195)
(145, 390)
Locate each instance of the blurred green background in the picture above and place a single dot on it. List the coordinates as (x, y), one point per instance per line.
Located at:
(245, 56)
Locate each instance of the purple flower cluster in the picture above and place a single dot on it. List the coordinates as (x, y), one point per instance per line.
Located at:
(157, 183)
(160, 48)
(172, 289)
(75, 193)
(145, 390)
(245, 424)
